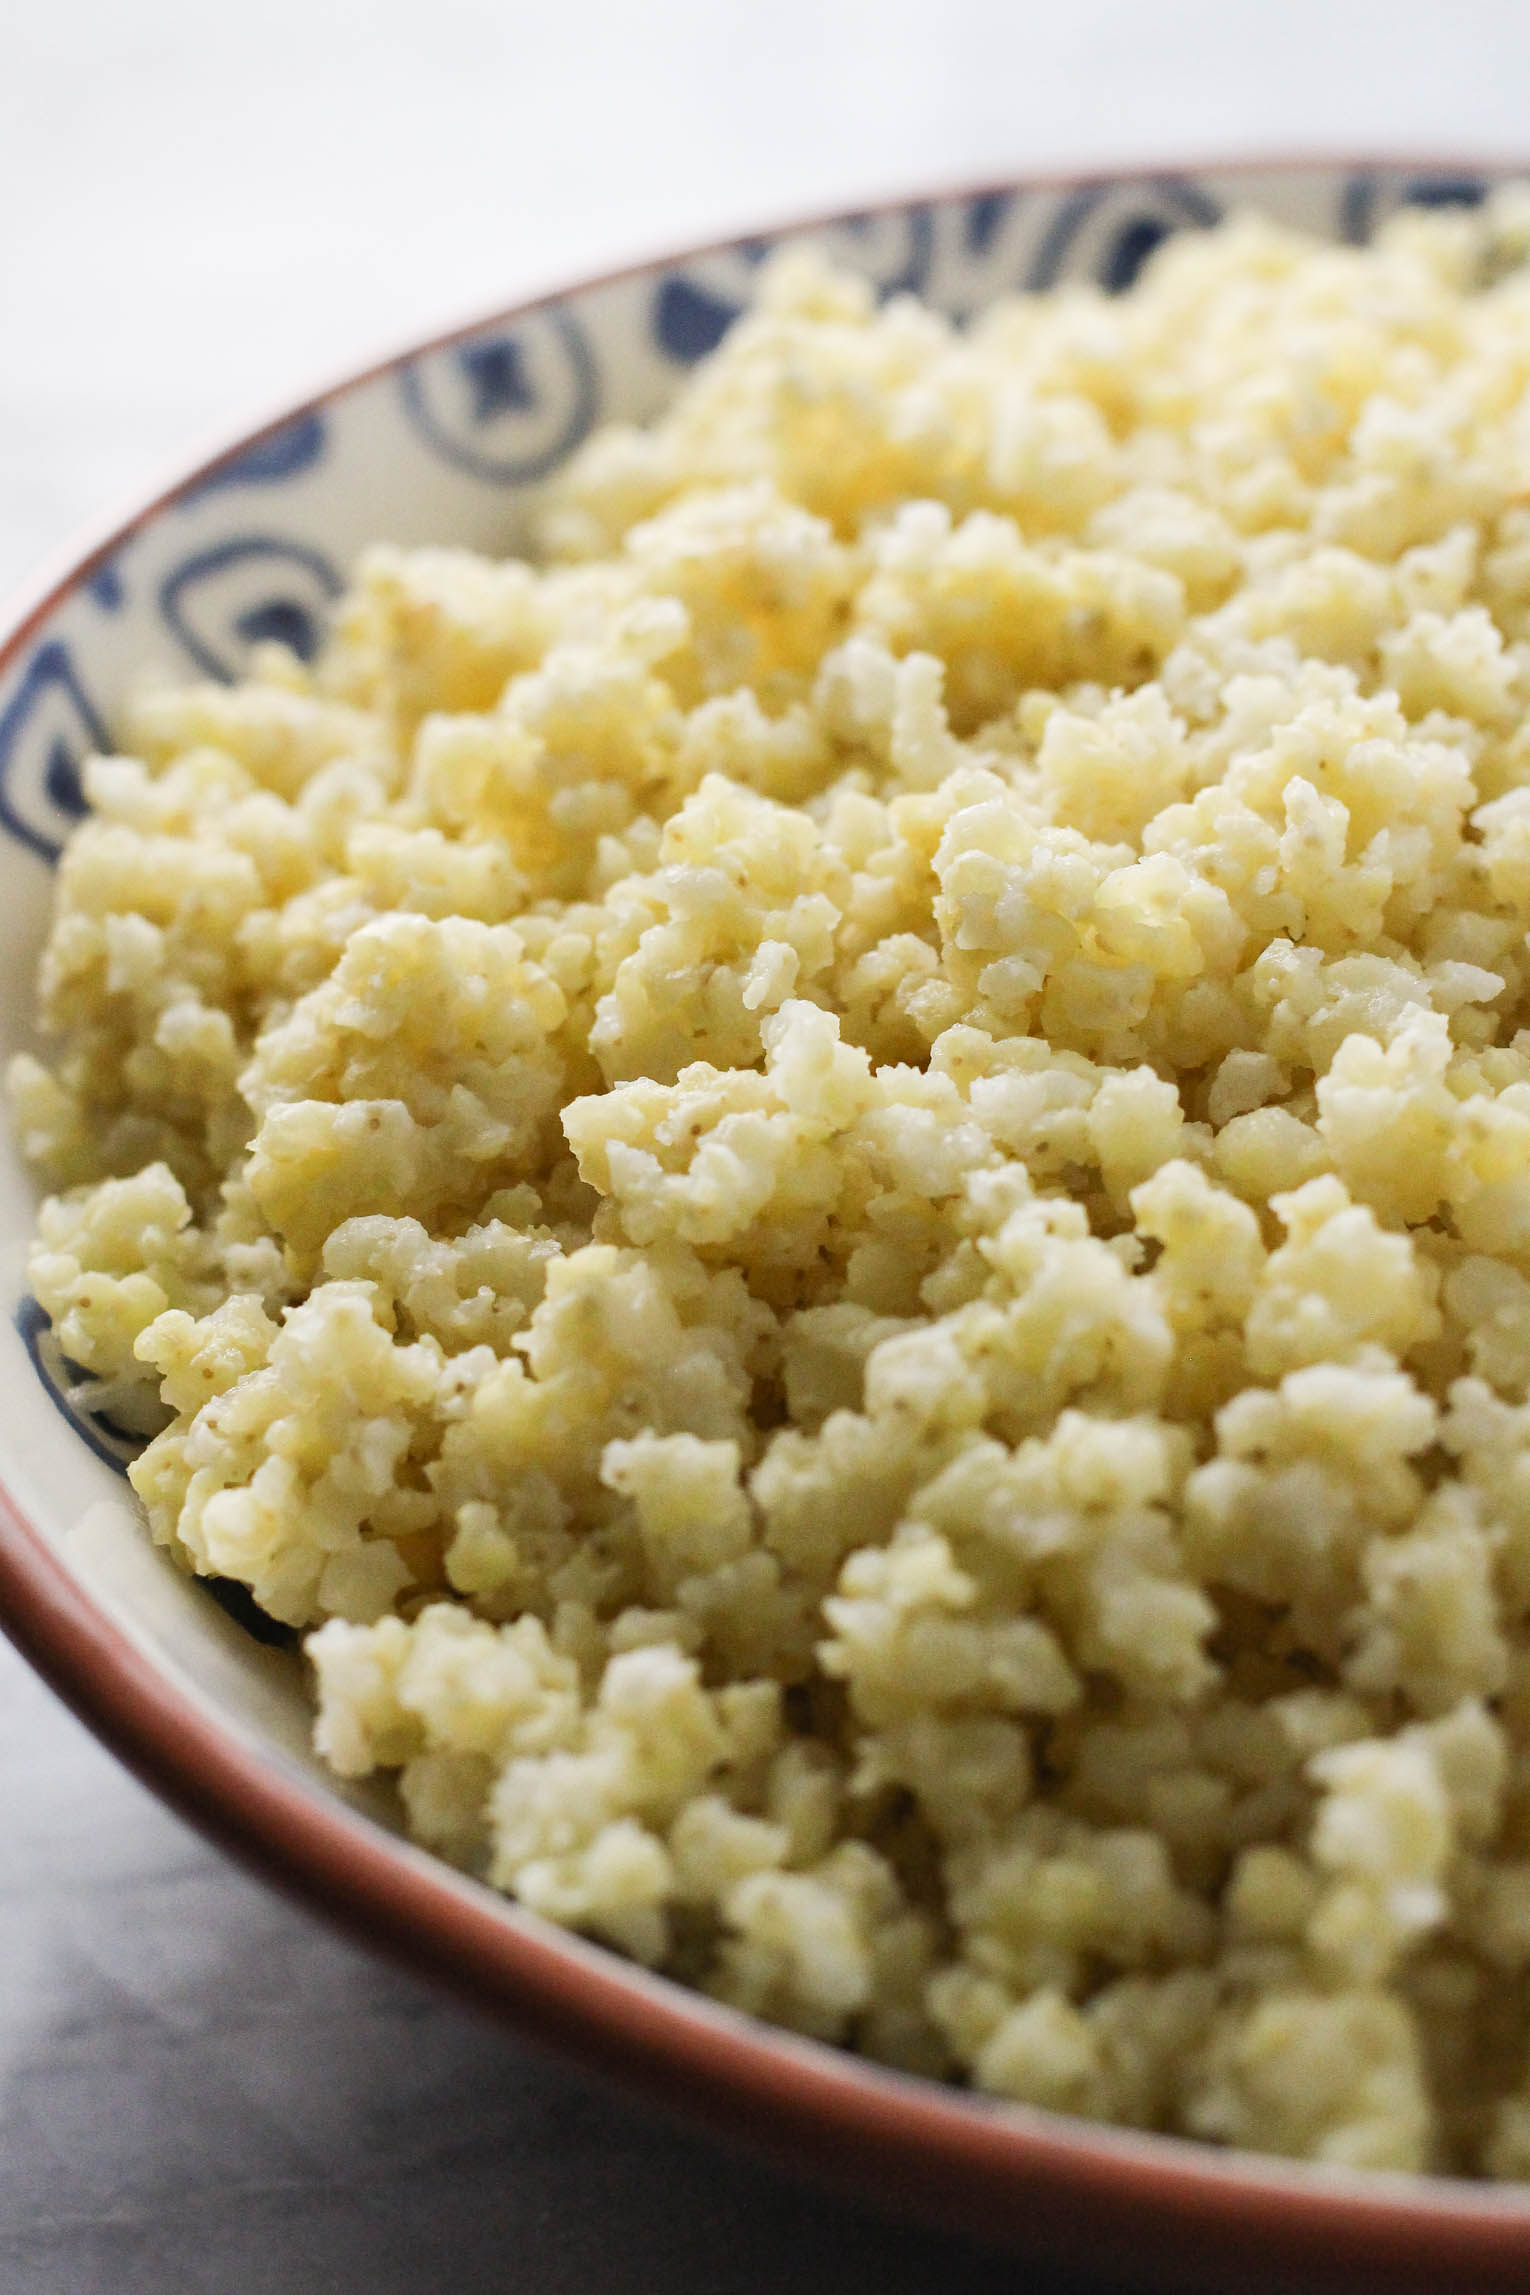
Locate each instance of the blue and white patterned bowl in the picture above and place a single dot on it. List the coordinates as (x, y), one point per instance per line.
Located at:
(445, 443)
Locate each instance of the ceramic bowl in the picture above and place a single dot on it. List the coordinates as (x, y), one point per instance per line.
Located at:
(444, 443)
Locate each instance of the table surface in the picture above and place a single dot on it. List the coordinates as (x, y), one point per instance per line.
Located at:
(202, 2090)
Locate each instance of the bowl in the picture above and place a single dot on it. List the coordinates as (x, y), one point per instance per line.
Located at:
(445, 442)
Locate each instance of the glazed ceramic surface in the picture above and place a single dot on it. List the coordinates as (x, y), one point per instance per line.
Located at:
(448, 443)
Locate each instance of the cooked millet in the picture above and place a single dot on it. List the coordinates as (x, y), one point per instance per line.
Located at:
(838, 1187)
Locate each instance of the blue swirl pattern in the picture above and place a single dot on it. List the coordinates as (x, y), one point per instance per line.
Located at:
(249, 590)
(48, 727)
(694, 305)
(506, 406)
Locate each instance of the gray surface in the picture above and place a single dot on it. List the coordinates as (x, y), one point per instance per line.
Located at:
(204, 2090)
(205, 209)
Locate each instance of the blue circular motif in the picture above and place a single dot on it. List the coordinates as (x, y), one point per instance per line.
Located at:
(1106, 231)
(244, 592)
(983, 248)
(1370, 195)
(506, 406)
(893, 251)
(48, 727)
(695, 304)
(688, 321)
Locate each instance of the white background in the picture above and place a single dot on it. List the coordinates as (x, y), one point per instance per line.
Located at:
(205, 210)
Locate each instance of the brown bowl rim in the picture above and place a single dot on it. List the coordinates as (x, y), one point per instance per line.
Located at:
(1161, 2208)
